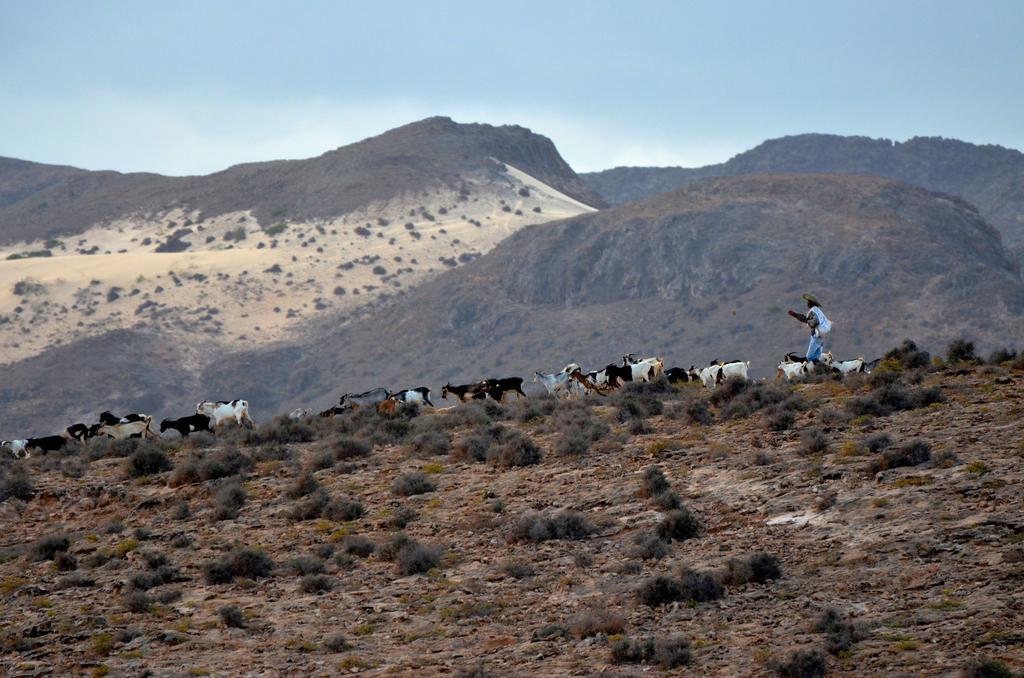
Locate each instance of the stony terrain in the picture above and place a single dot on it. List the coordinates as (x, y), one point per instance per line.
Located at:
(921, 563)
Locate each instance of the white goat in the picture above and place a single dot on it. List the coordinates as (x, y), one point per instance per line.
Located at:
(17, 447)
(791, 371)
(844, 366)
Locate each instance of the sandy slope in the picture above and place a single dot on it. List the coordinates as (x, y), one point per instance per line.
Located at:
(261, 288)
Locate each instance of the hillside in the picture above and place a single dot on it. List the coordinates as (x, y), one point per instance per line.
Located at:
(619, 537)
(990, 177)
(428, 155)
(217, 268)
(701, 273)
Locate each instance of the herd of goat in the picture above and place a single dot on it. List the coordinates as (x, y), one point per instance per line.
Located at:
(570, 382)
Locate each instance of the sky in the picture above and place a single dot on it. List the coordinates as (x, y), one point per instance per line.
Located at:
(188, 87)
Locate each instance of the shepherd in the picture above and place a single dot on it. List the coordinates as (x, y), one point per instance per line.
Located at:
(819, 323)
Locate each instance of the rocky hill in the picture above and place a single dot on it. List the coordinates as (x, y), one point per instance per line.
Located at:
(990, 177)
(704, 272)
(254, 255)
(865, 527)
(39, 201)
(701, 273)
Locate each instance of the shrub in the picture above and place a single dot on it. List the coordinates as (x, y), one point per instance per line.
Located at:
(909, 356)
(666, 501)
(242, 562)
(357, 545)
(137, 601)
(928, 396)
(877, 442)
(48, 547)
(388, 551)
(738, 398)
(596, 621)
(679, 524)
(672, 652)
(698, 412)
(321, 460)
(431, 443)
(627, 651)
(814, 441)
(563, 525)
(841, 633)
(660, 590)
(64, 562)
(412, 483)
(316, 583)
(700, 587)
(157, 576)
(911, 454)
(893, 397)
(231, 617)
(304, 565)
(650, 547)
(347, 447)
(572, 444)
(415, 558)
(337, 643)
(147, 460)
(668, 653)
(281, 430)
(17, 484)
(758, 567)
(517, 569)
(781, 421)
(474, 447)
(229, 500)
(981, 667)
(401, 517)
(1001, 355)
(653, 482)
(76, 580)
(801, 664)
(303, 486)
(961, 351)
(320, 504)
(728, 390)
(518, 450)
(210, 466)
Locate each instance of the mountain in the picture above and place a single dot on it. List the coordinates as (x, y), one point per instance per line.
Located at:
(704, 272)
(40, 201)
(254, 254)
(990, 177)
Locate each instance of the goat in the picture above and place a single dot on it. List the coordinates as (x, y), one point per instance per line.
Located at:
(476, 391)
(497, 388)
(186, 425)
(17, 447)
(300, 413)
(47, 443)
(374, 396)
(791, 370)
(417, 395)
(222, 410)
(844, 366)
(588, 385)
(128, 429)
(555, 384)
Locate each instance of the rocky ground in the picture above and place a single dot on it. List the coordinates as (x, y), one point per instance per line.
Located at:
(922, 564)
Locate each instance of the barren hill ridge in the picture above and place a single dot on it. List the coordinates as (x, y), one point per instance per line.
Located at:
(990, 177)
